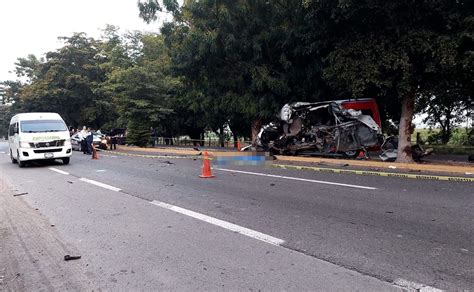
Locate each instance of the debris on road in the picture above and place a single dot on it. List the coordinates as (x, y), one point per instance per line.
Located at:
(71, 258)
(20, 194)
(16, 276)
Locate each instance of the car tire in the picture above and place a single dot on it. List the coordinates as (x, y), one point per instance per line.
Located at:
(79, 148)
(351, 154)
(66, 160)
(11, 157)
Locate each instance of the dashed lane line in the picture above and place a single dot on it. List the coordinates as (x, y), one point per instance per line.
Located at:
(59, 171)
(298, 179)
(413, 286)
(224, 224)
(99, 184)
(90, 181)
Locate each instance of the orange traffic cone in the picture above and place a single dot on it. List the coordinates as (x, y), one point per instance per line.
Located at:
(206, 167)
(238, 145)
(94, 152)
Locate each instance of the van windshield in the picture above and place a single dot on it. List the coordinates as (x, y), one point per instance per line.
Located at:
(42, 126)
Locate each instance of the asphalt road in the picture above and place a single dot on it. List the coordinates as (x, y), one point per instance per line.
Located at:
(338, 232)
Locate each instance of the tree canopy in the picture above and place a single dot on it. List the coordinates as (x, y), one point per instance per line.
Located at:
(234, 63)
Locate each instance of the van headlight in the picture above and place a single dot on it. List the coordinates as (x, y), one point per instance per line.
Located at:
(25, 145)
(67, 142)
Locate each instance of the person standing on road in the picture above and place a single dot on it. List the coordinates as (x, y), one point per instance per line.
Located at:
(89, 140)
(113, 140)
(82, 137)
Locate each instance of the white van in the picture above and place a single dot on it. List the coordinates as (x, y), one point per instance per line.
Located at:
(34, 136)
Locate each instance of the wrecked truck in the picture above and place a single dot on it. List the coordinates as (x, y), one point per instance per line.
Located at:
(319, 128)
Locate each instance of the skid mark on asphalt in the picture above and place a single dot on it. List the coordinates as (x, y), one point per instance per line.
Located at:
(224, 224)
(298, 179)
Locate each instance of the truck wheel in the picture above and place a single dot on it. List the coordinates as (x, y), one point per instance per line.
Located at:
(66, 160)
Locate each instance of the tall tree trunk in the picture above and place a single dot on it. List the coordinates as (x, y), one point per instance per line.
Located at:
(221, 136)
(404, 130)
(447, 134)
(256, 125)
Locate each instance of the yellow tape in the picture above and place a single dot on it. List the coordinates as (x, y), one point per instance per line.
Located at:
(376, 173)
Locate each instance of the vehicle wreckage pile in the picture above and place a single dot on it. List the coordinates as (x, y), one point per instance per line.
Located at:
(320, 128)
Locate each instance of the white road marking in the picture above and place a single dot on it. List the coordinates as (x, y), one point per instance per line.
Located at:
(59, 171)
(2, 152)
(106, 155)
(227, 225)
(413, 286)
(298, 179)
(100, 170)
(99, 184)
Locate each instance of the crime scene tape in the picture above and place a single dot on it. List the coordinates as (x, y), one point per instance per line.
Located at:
(149, 156)
(376, 173)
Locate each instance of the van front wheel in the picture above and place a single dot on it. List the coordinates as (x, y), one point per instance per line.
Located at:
(21, 164)
(11, 157)
(66, 160)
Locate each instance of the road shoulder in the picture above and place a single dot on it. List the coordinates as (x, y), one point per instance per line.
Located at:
(31, 250)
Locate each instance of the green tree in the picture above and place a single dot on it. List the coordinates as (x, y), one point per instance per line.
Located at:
(66, 82)
(142, 91)
(9, 103)
(396, 50)
(243, 57)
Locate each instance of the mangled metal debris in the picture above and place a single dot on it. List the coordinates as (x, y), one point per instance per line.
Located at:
(390, 150)
(321, 128)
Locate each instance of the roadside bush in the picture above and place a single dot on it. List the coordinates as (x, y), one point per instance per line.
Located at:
(462, 137)
(434, 138)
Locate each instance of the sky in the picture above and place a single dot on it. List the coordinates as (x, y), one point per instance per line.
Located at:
(33, 26)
